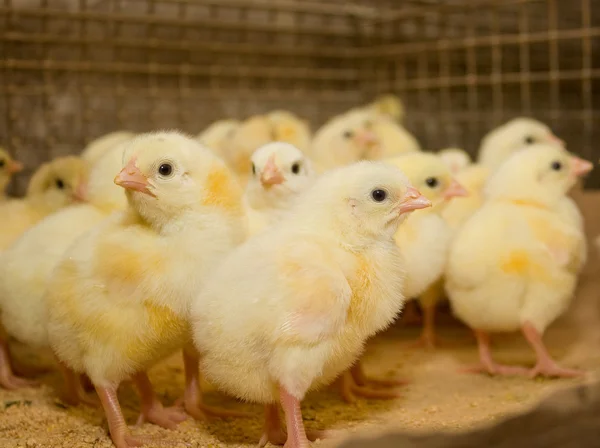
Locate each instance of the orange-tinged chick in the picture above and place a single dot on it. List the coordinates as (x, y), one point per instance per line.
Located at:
(513, 265)
(98, 147)
(119, 299)
(8, 168)
(291, 308)
(54, 185)
(289, 128)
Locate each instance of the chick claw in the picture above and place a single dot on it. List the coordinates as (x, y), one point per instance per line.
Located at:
(495, 369)
(350, 390)
(551, 369)
(167, 418)
(361, 379)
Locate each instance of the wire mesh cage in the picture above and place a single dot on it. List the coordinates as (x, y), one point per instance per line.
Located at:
(72, 70)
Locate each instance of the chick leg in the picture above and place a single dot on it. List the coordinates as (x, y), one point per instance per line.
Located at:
(192, 401)
(488, 365)
(152, 409)
(428, 301)
(73, 393)
(350, 390)
(7, 379)
(545, 365)
(275, 434)
(293, 418)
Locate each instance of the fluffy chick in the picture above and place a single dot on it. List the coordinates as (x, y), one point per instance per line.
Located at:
(516, 134)
(514, 263)
(26, 266)
(280, 172)
(54, 185)
(287, 127)
(98, 147)
(215, 136)
(145, 266)
(291, 308)
(345, 139)
(389, 105)
(455, 158)
(394, 138)
(8, 167)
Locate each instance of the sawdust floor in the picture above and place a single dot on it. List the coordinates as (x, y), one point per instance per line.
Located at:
(438, 397)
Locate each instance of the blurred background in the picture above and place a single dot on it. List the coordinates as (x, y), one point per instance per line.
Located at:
(73, 70)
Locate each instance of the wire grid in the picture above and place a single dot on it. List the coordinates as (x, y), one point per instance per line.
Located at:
(72, 70)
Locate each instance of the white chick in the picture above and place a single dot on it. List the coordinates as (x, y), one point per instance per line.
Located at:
(8, 167)
(215, 136)
(455, 158)
(280, 172)
(144, 266)
(26, 266)
(345, 139)
(291, 308)
(287, 127)
(513, 265)
(98, 147)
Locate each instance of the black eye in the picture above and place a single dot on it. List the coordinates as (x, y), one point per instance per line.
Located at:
(378, 195)
(253, 169)
(165, 169)
(296, 168)
(556, 165)
(348, 134)
(432, 182)
(529, 140)
(1, 163)
(60, 184)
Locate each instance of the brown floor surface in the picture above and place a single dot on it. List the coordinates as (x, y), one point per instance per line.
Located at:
(438, 396)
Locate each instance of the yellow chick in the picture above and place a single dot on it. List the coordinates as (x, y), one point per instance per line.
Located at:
(291, 308)
(514, 263)
(394, 139)
(54, 185)
(280, 172)
(287, 127)
(215, 136)
(119, 299)
(516, 134)
(389, 105)
(96, 148)
(345, 139)
(26, 266)
(8, 167)
(456, 159)
(250, 135)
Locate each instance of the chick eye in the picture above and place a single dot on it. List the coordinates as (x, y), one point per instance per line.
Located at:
(253, 169)
(379, 195)
(529, 140)
(1, 163)
(432, 182)
(165, 169)
(348, 134)
(296, 168)
(60, 184)
(556, 165)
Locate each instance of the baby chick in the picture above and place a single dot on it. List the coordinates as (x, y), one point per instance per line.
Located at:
(394, 139)
(26, 266)
(287, 127)
(389, 105)
(144, 266)
(96, 148)
(215, 136)
(280, 172)
(512, 136)
(455, 158)
(514, 263)
(291, 308)
(345, 139)
(8, 167)
(54, 185)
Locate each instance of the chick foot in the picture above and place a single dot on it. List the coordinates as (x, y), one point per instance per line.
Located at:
(487, 364)
(350, 390)
(152, 409)
(361, 379)
(275, 434)
(545, 365)
(8, 379)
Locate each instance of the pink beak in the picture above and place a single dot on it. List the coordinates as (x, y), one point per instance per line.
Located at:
(80, 193)
(271, 175)
(413, 200)
(131, 178)
(366, 138)
(455, 190)
(580, 167)
(555, 139)
(14, 167)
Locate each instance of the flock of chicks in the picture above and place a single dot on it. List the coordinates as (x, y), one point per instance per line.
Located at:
(272, 290)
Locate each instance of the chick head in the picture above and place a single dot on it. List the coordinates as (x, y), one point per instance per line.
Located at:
(167, 174)
(541, 174)
(455, 158)
(356, 136)
(8, 167)
(513, 136)
(431, 176)
(60, 182)
(244, 140)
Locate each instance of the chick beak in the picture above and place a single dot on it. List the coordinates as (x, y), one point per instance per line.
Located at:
(131, 178)
(556, 140)
(413, 200)
(14, 167)
(580, 167)
(271, 174)
(455, 190)
(367, 139)
(80, 193)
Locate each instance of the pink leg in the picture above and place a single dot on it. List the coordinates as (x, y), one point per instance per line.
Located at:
(293, 418)
(73, 394)
(7, 379)
(275, 434)
(488, 365)
(428, 337)
(192, 400)
(152, 409)
(545, 364)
